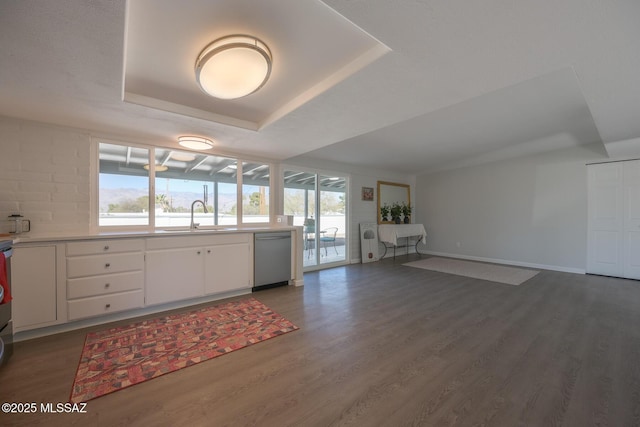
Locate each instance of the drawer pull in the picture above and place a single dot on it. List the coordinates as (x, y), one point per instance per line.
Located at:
(198, 252)
(107, 265)
(106, 285)
(107, 306)
(208, 251)
(106, 248)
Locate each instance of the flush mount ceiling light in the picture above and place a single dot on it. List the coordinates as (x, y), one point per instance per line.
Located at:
(183, 157)
(234, 66)
(159, 168)
(195, 142)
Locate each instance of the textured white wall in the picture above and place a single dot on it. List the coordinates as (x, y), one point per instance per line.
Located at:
(361, 210)
(44, 175)
(530, 210)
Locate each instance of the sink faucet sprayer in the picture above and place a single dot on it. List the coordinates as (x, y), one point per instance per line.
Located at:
(195, 225)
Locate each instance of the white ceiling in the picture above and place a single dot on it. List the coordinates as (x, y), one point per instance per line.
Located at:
(160, 55)
(541, 114)
(463, 81)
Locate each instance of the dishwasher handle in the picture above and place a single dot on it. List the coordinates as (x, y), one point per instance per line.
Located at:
(277, 237)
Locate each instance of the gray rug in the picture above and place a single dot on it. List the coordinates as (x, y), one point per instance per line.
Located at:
(477, 270)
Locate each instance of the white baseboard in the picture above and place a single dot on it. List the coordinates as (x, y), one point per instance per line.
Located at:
(508, 262)
(483, 259)
(400, 252)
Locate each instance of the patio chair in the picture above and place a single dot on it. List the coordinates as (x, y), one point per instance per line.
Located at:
(329, 236)
(309, 235)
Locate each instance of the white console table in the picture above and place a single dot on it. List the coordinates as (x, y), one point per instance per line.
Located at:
(390, 233)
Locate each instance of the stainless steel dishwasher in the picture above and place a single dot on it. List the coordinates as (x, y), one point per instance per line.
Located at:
(272, 259)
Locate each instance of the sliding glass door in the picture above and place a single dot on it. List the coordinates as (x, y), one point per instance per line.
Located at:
(318, 204)
(332, 219)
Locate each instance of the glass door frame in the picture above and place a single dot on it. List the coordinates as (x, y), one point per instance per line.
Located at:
(318, 265)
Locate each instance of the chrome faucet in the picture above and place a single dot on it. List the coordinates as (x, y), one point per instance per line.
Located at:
(194, 225)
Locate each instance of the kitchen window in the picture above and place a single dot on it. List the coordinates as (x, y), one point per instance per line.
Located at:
(123, 186)
(134, 191)
(255, 192)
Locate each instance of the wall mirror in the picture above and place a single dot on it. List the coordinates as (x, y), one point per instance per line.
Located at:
(390, 193)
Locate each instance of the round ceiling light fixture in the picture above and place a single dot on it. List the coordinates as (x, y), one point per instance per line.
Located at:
(159, 168)
(233, 66)
(183, 157)
(195, 142)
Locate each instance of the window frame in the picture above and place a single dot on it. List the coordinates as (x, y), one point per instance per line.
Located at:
(317, 196)
(94, 165)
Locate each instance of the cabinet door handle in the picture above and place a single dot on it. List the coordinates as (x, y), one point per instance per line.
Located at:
(198, 252)
(107, 265)
(107, 306)
(106, 285)
(208, 251)
(106, 248)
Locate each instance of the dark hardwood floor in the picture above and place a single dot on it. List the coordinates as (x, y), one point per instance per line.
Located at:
(385, 344)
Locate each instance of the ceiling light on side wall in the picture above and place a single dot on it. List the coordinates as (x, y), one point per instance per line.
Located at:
(234, 66)
(195, 142)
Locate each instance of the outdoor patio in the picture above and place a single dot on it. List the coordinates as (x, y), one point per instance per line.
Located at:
(328, 253)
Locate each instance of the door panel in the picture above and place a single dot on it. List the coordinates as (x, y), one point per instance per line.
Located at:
(332, 219)
(174, 275)
(632, 255)
(606, 251)
(631, 220)
(614, 219)
(227, 268)
(605, 219)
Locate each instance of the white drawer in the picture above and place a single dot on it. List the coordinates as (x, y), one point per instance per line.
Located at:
(99, 306)
(104, 284)
(92, 247)
(104, 264)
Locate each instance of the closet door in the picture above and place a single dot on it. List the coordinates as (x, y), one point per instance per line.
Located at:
(631, 219)
(614, 219)
(605, 219)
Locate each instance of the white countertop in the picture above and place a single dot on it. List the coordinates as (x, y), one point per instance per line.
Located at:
(32, 237)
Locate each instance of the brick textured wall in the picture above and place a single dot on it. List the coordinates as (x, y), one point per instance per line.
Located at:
(44, 175)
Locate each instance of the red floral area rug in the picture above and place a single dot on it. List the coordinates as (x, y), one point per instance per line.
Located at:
(121, 357)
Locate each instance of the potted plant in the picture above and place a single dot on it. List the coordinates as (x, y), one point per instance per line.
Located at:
(384, 211)
(396, 212)
(406, 211)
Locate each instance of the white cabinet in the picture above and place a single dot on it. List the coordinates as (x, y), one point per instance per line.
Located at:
(174, 274)
(227, 267)
(34, 290)
(56, 282)
(104, 276)
(179, 268)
